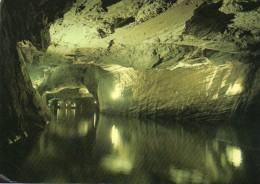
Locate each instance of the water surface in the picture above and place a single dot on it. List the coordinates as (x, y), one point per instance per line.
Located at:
(82, 146)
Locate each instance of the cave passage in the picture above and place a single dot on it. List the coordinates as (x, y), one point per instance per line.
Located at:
(130, 91)
(84, 147)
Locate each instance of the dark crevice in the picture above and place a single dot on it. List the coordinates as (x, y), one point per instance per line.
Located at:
(101, 33)
(157, 63)
(208, 19)
(57, 9)
(111, 26)
(107, 3)
(80, 8)
(249, 6)
(121, 22)
(250, 111)
(209, 52)
(254, 47)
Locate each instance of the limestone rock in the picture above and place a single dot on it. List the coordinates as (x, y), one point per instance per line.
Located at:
(160, 58)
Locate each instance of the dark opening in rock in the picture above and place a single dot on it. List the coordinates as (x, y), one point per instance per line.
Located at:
(207, 20)
(248, 6)
(121, 22)
(106, 3)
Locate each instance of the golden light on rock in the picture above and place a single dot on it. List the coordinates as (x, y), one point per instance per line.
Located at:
(234, 89)
(83, 91)
(234, 155)
(116, 93)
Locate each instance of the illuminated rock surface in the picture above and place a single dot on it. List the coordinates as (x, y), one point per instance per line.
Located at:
(196, 61)
(181, 59)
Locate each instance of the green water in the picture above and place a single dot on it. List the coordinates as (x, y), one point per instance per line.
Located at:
(84, 147)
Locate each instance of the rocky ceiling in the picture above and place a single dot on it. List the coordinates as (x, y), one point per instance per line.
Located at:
(151, 58)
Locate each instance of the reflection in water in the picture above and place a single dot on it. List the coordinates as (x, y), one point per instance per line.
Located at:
(95, 119)
(84, 147)
(65, 114)
(186, 176)
(115, 136)
(118, 160)
(83, 128)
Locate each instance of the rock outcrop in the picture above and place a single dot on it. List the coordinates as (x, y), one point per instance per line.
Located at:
(189, 59)
(22, 109)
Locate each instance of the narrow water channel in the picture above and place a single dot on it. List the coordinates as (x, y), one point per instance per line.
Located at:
(82, 146)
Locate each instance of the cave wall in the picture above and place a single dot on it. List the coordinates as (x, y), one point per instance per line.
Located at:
(181, 59)
(195, 91)
(179, 93)
(21, 107)
(163, 58)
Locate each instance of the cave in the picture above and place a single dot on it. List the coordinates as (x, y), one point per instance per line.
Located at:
(129, 91)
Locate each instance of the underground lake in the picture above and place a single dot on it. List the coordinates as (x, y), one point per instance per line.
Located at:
(82, 146)
(130, 91)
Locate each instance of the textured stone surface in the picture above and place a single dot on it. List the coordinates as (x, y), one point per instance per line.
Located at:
(156, 58)
(21, 107)
(180, 93)
(191, 59)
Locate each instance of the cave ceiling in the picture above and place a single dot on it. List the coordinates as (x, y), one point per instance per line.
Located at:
(126, 47)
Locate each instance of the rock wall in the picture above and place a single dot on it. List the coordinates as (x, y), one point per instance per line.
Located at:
(151, 58)
(183, 92)
(21, 107)
(194, 91)
(182, 59)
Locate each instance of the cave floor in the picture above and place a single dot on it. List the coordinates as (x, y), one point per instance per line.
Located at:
(82, 146)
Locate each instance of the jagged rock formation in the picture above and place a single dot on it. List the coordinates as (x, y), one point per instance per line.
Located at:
(21, 107)
(162, 58)
(190, 59)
